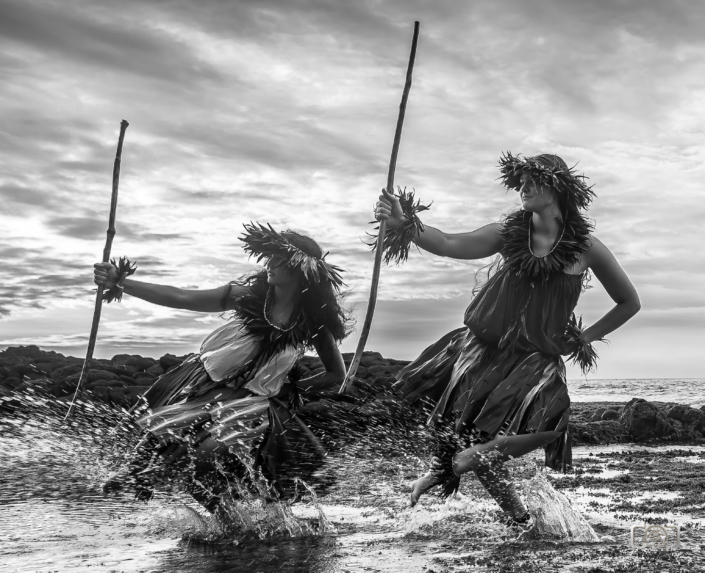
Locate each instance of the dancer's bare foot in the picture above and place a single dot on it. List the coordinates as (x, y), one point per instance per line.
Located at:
(422, 485)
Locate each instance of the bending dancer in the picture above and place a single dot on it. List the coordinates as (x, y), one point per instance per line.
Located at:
(499, 383)
(222, 408)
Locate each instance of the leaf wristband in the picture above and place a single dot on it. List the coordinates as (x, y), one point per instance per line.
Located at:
(125, 268)
(398, 241)
(579, 352)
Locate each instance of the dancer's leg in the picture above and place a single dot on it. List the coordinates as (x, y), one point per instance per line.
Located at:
(428, 481)
(441, 471)
(487, 461)
(498, 483)
(208, 482)
(504, 448)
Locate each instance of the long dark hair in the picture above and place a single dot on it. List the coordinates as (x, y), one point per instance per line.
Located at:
(319, 301)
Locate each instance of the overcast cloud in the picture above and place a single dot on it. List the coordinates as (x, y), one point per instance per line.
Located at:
(284, 112)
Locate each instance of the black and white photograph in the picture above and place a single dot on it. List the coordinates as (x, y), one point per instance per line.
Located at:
(341, 286)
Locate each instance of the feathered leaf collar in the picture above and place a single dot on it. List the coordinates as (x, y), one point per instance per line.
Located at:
(250, 309)
(565, 180)
(517, 254)
(264, 242)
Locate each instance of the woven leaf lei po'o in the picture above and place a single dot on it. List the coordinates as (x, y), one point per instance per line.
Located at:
(264, 242)
(566, 181)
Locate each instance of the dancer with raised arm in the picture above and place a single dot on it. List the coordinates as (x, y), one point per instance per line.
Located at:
(229, 406)
(498, 383)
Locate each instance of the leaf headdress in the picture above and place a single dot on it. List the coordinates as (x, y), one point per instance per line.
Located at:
(263, 242)
(546, 170)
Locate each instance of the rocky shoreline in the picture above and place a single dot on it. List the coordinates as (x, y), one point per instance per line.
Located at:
(122, 379)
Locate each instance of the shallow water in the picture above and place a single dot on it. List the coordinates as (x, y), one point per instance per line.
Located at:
(687, 391)
(53, 516)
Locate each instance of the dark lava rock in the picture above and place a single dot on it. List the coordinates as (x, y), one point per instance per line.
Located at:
(644, 421)
(156, 370)
(611, 414)
(120, 359)
(602, 432)
(32, 353)
(362, 373)
(382, 370)
(169, 361)
(24, 370)
(66, 371)
(145, 375)
(597, 415)
(139, 363)
(383, 383)
(687, 416)
(50, 367)
(94, 375)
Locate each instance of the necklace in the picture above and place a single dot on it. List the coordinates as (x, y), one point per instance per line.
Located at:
(552, 248)
(268, 308)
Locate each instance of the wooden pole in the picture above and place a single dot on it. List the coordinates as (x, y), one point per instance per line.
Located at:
(383, 223)
(106, 258)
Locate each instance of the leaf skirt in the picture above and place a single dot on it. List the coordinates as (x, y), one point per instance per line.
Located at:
(252, 429)
(487, 392)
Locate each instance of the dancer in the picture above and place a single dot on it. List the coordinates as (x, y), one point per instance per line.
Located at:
(499, 383)
(225, 406)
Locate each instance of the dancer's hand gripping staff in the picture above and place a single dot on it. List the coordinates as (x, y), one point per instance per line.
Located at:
(382, 225)
(389, 208)
(115, 293)
(403, 224)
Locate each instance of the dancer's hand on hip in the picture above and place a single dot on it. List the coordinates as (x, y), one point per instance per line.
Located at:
(389, 208)
(105, 274)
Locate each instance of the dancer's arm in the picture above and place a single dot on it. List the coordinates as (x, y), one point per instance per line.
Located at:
(209, 300)
(617, 284)
(483, 242)
(333, 363)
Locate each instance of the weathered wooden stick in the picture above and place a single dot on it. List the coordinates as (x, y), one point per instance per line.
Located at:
(383, 223)
(106, 258)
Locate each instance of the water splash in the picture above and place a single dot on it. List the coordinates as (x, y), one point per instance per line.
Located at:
(50, 459)
(554, 516)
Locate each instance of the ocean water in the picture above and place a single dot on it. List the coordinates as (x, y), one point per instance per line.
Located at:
(687, 391)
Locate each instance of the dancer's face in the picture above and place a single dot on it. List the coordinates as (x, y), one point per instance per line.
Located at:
(534, 196)
(277, 273)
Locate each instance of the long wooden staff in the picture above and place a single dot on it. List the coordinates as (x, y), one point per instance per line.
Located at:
(383, 223)
(106, 258)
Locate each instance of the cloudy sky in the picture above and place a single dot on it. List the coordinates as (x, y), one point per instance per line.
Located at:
(284, 111)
